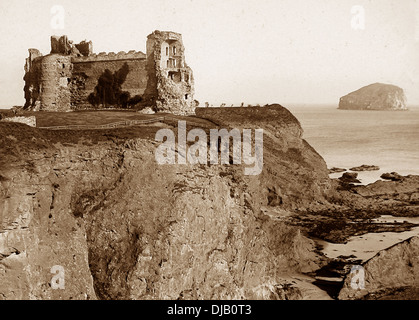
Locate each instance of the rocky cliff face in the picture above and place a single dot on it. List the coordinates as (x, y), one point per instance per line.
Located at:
(391, 272)
(377, 96)
(295, 176)
(124, 227)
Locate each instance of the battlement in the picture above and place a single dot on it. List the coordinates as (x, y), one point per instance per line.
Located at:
(111, 56)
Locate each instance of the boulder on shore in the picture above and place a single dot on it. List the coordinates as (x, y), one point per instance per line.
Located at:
(349, 177)
(389, 273)
(393, 176)
(377, 96)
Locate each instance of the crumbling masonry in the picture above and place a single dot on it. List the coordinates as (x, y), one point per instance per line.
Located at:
(63, 79)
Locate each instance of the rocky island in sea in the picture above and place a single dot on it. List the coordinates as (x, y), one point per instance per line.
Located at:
(377, 96)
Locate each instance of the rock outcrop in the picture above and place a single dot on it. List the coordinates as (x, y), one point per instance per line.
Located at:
(294, 173)
(377, 96)
(391, 270)
(356, 205)
(349, 177)
(365, 167)
(337, 170)
(394, 176)
(124, 227)
(402, 189)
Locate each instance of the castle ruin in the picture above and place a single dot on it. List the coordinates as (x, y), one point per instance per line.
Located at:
(64, 79)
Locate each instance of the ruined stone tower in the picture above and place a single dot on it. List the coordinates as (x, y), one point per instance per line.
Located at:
(171, 80)
(63, 79)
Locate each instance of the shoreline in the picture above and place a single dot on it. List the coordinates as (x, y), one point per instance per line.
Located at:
(357, 235)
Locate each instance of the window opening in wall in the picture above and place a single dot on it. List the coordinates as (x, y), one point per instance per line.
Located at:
(174, 50)
(186, 97)
(167, 51)
(168, 63)
(175, 76)
(174, 63)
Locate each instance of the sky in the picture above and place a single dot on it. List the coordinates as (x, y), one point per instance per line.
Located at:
(251, 51)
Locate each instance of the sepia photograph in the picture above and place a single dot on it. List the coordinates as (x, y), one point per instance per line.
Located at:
(209, 150)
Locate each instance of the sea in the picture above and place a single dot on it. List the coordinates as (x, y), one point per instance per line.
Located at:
(350, 138)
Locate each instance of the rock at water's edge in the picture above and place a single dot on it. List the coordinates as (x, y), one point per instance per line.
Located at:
(336, 170)
(377, 96)
(393, 176)
(365, 167)
(393, 268)
(350, 177)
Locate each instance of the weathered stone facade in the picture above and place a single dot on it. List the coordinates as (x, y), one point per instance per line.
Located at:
(169, 73)
(63, 79)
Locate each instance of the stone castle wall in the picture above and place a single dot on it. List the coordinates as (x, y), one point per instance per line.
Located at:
(87, 70)
(62, 80)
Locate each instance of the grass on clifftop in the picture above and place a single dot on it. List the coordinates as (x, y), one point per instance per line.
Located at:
(51, 119)
(249, 116)
(18, 140)
(91, 117)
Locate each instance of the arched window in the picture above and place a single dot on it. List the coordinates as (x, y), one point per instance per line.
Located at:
(167, 51)
(174, 50)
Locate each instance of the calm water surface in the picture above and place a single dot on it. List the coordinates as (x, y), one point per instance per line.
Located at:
(346, 138)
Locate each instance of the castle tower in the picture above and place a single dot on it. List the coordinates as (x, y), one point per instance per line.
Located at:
(55, 83)
(171, 85)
